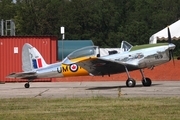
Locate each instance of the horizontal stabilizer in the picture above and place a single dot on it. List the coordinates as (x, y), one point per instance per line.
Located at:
(23, 75)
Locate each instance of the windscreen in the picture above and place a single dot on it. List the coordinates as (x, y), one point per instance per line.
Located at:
(83, 52)
(126, 46)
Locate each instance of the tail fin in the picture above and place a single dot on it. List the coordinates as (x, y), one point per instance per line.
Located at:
(31, 58)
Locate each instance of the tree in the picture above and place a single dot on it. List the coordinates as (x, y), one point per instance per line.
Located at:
(7, 10)
(37, 17)
(106, 22)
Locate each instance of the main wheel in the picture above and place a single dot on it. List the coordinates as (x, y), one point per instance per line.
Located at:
(27, 85)
(147, 82)
(130, 82)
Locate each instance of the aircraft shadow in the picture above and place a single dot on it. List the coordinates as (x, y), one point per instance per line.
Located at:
(93, 88)
(114, 87)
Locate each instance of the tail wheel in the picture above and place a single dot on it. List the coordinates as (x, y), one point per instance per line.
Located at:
(130, 82)
(27, 85)
(147, 82)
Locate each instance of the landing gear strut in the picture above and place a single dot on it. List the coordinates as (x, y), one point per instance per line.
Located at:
(145, 81)
(130, 81)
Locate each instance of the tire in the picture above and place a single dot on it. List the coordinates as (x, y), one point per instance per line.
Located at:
(27, 85)
(148, 82)
(130, 82)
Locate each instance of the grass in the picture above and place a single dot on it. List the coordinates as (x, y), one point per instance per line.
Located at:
(96, 108)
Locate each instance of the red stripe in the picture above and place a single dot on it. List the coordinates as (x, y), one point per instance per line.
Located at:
(39, 62)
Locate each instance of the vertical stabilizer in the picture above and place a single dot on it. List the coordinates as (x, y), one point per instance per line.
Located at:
(31, 58)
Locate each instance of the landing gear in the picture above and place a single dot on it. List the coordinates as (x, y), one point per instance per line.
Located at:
(27, 85)
(145, 81)
(130, 82)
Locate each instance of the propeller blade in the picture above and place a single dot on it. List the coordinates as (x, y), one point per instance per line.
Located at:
(171, 55)
(169, 36)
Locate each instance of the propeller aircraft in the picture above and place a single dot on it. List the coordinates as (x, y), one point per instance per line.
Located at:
(90, 61)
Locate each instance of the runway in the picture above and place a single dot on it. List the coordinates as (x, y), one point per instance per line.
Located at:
(89, 89)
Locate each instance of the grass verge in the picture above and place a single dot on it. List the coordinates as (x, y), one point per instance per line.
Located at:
(97, 108)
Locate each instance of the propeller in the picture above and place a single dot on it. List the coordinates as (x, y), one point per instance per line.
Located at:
(171, 55)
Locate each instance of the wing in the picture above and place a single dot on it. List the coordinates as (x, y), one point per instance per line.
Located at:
(99, 66)
(23, 75)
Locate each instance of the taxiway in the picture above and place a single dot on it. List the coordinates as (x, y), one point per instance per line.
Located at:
(89, 89)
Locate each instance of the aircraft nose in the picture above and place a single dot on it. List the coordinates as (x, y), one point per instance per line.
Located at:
(171, 46)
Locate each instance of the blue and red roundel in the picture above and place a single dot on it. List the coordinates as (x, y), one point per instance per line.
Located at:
(73, 67)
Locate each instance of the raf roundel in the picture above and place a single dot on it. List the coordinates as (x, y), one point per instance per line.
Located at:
(73, 67)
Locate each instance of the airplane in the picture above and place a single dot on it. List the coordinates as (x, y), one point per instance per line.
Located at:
(90, 61)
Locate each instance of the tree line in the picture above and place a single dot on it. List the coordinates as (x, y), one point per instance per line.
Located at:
(106, 22)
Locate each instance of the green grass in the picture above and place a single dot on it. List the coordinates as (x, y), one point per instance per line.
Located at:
(97, 108)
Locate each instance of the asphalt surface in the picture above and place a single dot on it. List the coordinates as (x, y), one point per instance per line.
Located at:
(89, 89)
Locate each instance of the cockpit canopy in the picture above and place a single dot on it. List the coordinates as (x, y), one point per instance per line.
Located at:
(90, 51)
(125, 46)
(94, 51)
(84, 52)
